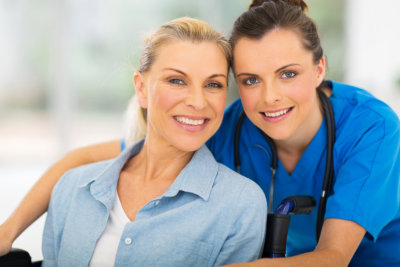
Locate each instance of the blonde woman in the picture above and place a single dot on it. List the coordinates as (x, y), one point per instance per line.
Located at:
(279, 66)
(164, 201)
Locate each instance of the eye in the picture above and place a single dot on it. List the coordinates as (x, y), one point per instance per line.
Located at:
(214, 85)
(250, 81)
(177, 81)
(288, 74)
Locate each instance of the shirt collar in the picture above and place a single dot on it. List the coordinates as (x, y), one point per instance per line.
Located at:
(103, 185)
(197, 177)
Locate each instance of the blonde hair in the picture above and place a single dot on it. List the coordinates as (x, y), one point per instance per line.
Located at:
(181, 29)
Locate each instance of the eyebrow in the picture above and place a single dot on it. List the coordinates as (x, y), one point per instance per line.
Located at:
(209, 77)
(278, 70)
(217, 75)
(246, 74)
(288, 65)
(176, 70)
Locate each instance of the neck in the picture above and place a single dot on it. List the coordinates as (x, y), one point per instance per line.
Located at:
(158, 161)
(290, 150)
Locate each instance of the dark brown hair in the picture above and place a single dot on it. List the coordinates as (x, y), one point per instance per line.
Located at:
(266, 15)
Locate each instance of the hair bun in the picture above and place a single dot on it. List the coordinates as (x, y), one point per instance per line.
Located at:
(299, 3)
(256, 3)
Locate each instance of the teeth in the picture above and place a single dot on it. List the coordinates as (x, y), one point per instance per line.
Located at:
(189, 121)
(276, 114)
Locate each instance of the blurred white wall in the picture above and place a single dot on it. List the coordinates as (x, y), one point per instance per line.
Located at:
(59, 57)
(372, 58)
(65, 79)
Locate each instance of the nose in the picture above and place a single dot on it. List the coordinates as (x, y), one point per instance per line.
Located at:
(195, 98)
(271, 94)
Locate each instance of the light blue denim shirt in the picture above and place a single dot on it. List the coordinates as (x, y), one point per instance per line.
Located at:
(209, 216)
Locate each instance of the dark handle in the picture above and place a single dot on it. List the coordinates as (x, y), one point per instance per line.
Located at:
(277, 230)
(302, 204)
(16, 258)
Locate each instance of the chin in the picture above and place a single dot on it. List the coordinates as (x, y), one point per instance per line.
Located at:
(189, 145)
(277, 134)
(188, 148)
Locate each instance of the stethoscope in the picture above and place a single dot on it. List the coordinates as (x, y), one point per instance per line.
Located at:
(328, 175)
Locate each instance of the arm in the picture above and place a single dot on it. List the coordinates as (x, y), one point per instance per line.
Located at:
(62, 196)
(35, 203)
(246, 236)
(368, 164)
(338, 242)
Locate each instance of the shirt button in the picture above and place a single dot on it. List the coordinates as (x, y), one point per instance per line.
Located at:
(128, 241)
(157, 202)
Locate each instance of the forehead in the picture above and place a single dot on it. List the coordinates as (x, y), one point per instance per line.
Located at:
(204, 56)
(275, 49)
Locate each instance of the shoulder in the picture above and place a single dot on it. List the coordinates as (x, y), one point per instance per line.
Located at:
(354, 99)
(85, 173)
(355, 109)
(73, 189)
(78, 177)
(227, 185)
(226, 175)
(240, 188)
(366, 161)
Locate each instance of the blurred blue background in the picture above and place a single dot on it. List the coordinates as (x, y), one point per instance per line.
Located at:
(66, 68)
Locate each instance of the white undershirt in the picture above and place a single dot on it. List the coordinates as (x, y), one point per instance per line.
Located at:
(106, 247)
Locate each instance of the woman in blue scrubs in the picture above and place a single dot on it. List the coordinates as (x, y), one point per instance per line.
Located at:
(279, 67)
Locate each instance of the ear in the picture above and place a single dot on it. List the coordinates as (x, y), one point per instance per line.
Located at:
(141, 89)
(321, 70)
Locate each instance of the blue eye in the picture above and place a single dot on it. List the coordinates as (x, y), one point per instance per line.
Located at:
(288, 74)
(251, 81)
(177, 81)
(214, 85)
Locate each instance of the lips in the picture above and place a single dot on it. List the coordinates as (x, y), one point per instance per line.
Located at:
(191, 123)
(276, 115)
(188, 121)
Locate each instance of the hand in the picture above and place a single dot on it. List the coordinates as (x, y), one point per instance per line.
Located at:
(5, 240)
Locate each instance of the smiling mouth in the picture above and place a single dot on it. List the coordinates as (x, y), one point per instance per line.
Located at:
(190, 122)
(277, 113)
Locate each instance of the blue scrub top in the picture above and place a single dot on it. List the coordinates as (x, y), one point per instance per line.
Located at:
(366, 172)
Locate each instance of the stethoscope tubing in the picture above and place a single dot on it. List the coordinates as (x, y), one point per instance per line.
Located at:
(328, 175)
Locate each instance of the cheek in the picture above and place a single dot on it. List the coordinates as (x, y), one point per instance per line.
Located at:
(299, 95)
(218, 102)
(162, 99)
(249, 98)
(303, 91)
